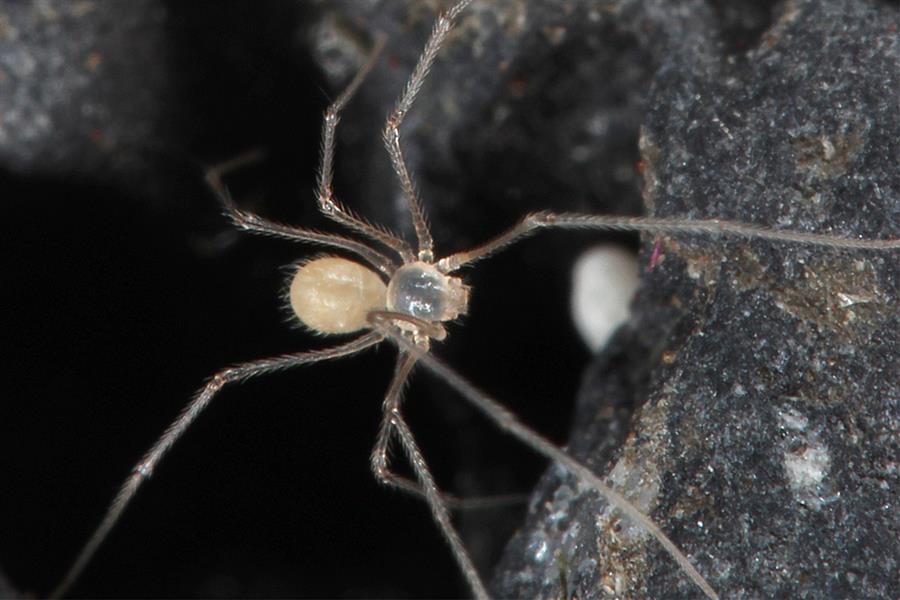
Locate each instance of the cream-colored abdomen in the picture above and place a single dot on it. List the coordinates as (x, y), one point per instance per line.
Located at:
(334, 295)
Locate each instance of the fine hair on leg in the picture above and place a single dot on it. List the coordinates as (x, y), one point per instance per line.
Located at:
(391, 133)
(530, 224)
(380, 458)
(393, 423)
(253, 223)
(508, 422)
(328, 204)
(144, 469)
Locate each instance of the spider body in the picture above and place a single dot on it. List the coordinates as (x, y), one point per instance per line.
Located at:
(333, 295)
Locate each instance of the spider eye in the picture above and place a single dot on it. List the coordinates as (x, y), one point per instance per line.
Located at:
(334, 295)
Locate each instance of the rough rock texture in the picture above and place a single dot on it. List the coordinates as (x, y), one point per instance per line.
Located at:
(515, 103)
(82, 86)
(764, 376)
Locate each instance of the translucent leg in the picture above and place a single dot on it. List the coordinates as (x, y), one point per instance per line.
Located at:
(391, 133)
(144, 469)
(548, 220)
(393, 421)
(380, 454)
(508, 422)
(439, 510)
(328, 204)
(256, 224)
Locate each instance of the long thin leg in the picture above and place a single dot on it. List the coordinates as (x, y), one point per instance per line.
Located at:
(392, 399)
(508, 422)
(549, 220)
(144, 469)
(256, 224)
(393, 421)
(329, 206)
(451, 501)
(380, 463)
(439, 510)
(391, 133)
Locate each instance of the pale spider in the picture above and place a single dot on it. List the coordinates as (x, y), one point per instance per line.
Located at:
(412, 325)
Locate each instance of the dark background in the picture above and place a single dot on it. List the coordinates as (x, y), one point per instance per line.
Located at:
(124, 287)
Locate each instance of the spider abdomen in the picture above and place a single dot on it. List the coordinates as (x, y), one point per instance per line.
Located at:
(334, 295)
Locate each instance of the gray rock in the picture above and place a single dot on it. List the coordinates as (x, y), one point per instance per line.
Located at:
(83, 86)
(513, 113)
(763, 376)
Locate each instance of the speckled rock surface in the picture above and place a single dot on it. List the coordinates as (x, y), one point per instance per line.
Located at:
(514, 103)
(82, 85)
(766, 434)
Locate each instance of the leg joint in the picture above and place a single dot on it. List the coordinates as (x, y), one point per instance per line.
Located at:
(145, 470)
(380, 469)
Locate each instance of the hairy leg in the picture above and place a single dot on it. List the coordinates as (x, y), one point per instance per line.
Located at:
(143, 470)
(391, 133)
(548, 220)
(509, 423)
(439, 510)
(256, 224)
(328, 204)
